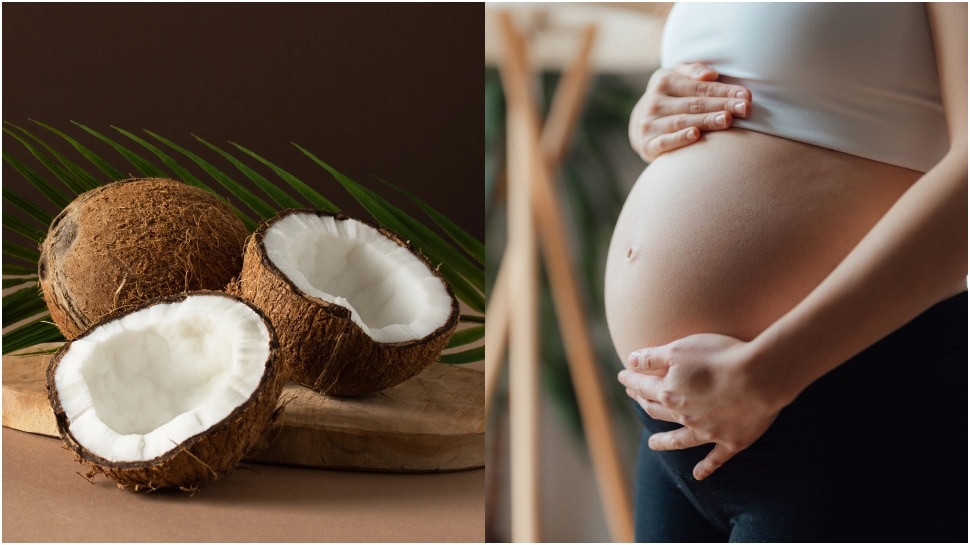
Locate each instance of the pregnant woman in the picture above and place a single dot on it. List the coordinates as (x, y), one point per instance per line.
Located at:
(789, 294)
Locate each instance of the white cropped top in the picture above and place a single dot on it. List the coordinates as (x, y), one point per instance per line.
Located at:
(857, 78)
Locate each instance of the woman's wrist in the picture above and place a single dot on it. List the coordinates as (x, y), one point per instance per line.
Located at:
(774, 370)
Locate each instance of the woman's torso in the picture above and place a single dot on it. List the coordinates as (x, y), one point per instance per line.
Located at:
(729, 233)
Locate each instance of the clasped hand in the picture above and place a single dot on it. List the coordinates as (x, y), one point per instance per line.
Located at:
(709, 384)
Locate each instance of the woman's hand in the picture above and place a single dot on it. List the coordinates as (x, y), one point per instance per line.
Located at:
(678, 104)
(710, 384)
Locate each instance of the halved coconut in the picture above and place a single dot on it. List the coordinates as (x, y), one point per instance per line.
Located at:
(170, 394)
(126, 242)
(356, 308)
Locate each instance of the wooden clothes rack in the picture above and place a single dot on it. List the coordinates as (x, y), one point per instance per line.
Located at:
(535, 223)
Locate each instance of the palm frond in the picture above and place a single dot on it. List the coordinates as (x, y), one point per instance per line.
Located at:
(470, 244)
(315, 199)
(70, 174)
(22, 304)
(144, 166)
(467, 356)
(107, 168)
(34, 333)
(280, 197)
(57, 197)
(251, 200)
(64, 178)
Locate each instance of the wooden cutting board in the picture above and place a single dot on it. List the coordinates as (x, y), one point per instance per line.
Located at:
(432, 422)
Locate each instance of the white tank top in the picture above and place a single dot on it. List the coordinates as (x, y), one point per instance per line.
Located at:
(857, 78)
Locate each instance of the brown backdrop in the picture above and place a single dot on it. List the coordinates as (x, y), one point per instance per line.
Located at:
(388, 90)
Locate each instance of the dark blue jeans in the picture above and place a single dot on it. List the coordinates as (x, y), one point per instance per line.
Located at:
(876, 450)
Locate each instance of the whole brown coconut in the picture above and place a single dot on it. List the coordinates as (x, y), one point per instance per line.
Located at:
(169, 394)
(127, 242)
(356, 308)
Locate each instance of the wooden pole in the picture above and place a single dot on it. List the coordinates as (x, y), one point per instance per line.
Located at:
(522, 263)
(598, 426)
(542, 151)
(496, 334)
(556, 136)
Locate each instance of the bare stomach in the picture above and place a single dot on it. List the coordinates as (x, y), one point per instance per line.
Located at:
(726, 235)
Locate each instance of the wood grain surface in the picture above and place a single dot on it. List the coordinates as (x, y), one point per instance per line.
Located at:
(432, 422)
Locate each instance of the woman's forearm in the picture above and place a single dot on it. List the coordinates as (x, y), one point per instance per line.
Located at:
(914, 257)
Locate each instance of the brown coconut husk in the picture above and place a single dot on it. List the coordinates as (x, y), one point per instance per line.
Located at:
(321, 347)
(130, 241)
(206, 456)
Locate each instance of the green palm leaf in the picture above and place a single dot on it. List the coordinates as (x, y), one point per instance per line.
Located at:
(42, 218)
(10, 269)
(143, 165)
(315, 199)
(470, 244)
(70, 174)
(36, 332)
(466, 336)
(24, 310)
(280, 197)
(256, 204)
(181, 173)
(24, 302)
(467, 356)
(54, 195)
(112, 172)
(24, 282)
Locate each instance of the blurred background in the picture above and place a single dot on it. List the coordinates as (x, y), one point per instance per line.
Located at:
(591, 183)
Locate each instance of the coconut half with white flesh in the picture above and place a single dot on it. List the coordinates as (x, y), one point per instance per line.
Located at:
(170, 394)
(356, 308)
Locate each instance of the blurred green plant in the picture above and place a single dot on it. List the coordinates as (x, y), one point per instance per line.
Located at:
(460, 256)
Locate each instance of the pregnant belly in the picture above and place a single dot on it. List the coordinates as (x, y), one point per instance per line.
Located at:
(728, 234)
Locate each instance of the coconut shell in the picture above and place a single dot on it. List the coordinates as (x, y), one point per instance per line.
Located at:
(127, 242)
(200, 458)
(321, 347)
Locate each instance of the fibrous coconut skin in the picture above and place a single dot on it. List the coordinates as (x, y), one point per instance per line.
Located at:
(186, 464)
(322, 345)
(126, 242)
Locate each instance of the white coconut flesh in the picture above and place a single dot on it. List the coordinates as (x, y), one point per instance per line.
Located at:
(392, 295)
(135, 388)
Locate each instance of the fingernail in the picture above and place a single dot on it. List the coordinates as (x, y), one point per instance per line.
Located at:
(741, 94)
(741, 108)
(720, 120)
(634, 359)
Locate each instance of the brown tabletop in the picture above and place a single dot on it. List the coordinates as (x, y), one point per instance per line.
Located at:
(45, 499)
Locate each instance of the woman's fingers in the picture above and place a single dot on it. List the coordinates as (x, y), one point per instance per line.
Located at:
(670, 124)
(714, 460)
(678, 439)
(696, 70)
(642, 386)
(659, 145)
(660, 106)
(697, 80)
(645, 360)
(653, 409)
(683, 438)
